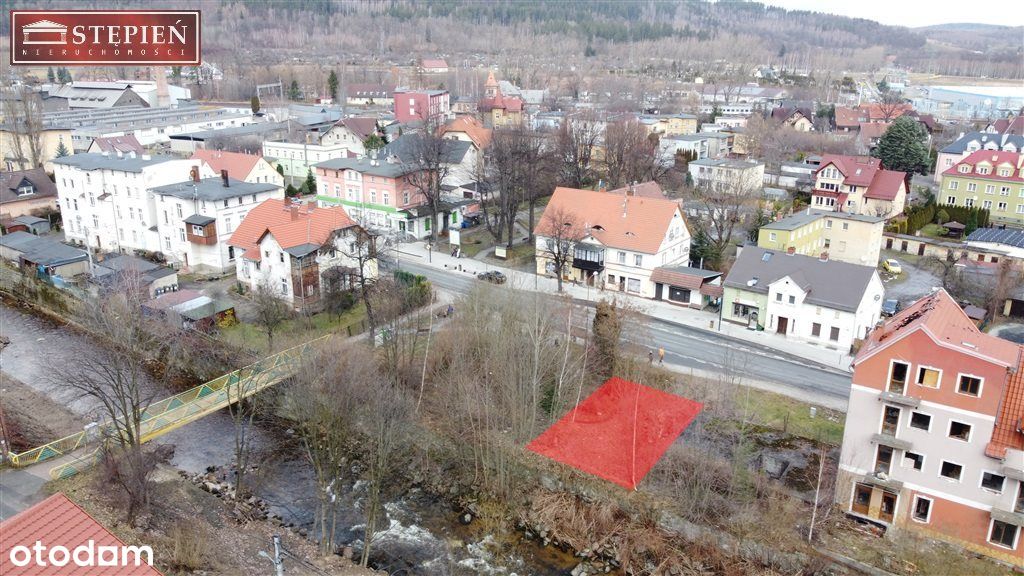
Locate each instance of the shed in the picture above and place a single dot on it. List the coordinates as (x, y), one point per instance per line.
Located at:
(30, 224)
(954, 229)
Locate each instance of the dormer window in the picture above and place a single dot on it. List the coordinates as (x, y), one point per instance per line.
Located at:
(983, 170)
(26, 190)
(964, 169)
(1004, 172)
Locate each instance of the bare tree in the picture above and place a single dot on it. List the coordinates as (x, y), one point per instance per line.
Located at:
(362, 251)
(890, 106)
(23, 112)
(723, 203)
(561, 230)
(575, 143)
(428, 155)
(519, 169)
(631, 154)
(271, 311)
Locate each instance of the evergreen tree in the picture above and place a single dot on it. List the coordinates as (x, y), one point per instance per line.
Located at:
(972, 222)
(254, 103)
(374, 142)
(62, 150)
(310, 183)
(280, 169)
(51, 77)
(293, 91)
(332, 85)
(291, 191)
(902, 147)
(760, 219)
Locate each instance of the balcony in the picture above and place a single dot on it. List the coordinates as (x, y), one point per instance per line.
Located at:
(891, 441)
(899, 399)
(588, 265)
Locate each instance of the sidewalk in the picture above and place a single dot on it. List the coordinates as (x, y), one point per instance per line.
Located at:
(661, 310)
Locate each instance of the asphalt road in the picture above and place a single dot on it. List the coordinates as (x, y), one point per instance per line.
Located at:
(704, 351)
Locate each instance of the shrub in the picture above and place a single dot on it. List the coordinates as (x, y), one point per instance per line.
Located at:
(190, 545)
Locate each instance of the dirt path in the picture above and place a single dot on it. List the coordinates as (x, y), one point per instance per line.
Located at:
(31, 417)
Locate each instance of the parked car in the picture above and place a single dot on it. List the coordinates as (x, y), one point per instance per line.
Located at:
(493, 276)
(890, 307)
(892, 266)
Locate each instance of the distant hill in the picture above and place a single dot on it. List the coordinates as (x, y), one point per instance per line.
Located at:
(967, 27)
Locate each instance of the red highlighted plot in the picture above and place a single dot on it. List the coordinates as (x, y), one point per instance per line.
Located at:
(619, 432)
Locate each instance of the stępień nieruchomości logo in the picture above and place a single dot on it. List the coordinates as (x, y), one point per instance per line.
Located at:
(97, 37)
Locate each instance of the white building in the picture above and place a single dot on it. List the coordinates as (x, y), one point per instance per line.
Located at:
(297, 159)
(801, 297)
(622, 238)
(728, 173)
(196, 217)
(104, 199)
(298, 250)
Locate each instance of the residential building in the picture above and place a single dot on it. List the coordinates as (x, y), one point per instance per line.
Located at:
(430, 106)
(124, 271)
(297, 159)
(1009, 241)
(469, 129)
(623, 239)
(26, 192)
(745, 175)
(105, 201)
(970, 143)
(433, 66)
(1010, 125)
(804, 298)
(853, 238)
(17, 147)
(670, 124)
(798, 118)
(251, 168)
(703, 145)
(987, 179)
(352, 133)
(369, 95)
(499, 109)
(99, 95)
(933, 442)
(115, 144)
(380, 191)
(196, 217)
(298, 249)
(858, 185)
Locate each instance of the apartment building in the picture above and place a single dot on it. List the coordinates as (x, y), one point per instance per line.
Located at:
(970, 143)
(933, 441)
(858, 185)
(988, 179)
(627, 238)
(297, 159)
(105, 201)
(727, 173)
(251, 168)
(431, 106)
(853, 238)
(297, 250)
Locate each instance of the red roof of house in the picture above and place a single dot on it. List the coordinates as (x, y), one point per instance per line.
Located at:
(643, 189)
(886, 185)
(237, 164)
(361, 127)
(291, 225)
(628, 222)
(507, 103)
(994, 158)
(57, 521)
(870, 130)
(477, 132)
(434, 63)
(848, 117)
(865, 171)
(119, 144)
(1005, 434)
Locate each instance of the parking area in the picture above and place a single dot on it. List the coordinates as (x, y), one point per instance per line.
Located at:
(912, 283)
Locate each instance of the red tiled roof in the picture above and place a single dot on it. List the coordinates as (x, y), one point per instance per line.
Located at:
(857, 170)
(119, 144)
(1016, 127)
(238, 165)
(1006, 432)
(307, 224)
(57, 521)
(477, 132)
(361, 127)
(628, 222)
(869, 130)
(885, 185)
(994, 158)
(508, 103)
(847, 117)
(434, 63)
(644, 189)
(712, 290)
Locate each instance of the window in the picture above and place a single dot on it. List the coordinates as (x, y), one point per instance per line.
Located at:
(1018, 507)
(913, 460)
(239, 200)
(951, 200)
(969, 202)
(959, 431)
(1001, 207)
(95, 222)
(970, 385)
(792, 299)
(990, 189)
(633, 285)
(771, 236)
(834, 334)
(1004, 191)
(971, 186)
(638, 260)
(922, 510)
(890, 420)
(281, 257)
(284, 285)
(898, 376)
(928, 377)
(225, 202)
(986, 204)
(954, 184)
(778, 296)
(181, 231)
(621, 257)
(846, 225)
(920, 421)
(951, 471)
(883, 459)
(828, 224)
(816, 330)
(179, 211)
(1003, 534)
(992, 481)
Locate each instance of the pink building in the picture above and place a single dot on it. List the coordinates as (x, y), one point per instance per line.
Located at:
(431, 106)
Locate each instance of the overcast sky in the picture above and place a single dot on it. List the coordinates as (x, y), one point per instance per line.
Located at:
(914, 12)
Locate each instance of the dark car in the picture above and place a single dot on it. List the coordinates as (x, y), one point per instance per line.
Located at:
(890, 307)
(493, 276)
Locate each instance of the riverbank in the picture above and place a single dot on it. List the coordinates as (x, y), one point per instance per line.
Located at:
(32, 418)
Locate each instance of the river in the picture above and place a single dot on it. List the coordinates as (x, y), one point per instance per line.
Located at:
(422, 534)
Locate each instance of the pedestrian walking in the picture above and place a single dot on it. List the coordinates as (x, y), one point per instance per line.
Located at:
(650, 356)
(661, 355)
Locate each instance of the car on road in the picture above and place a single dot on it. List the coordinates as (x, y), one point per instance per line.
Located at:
(890, 307)
(892, 266)
(492, 276)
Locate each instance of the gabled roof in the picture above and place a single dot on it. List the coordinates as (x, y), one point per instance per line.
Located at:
(363, 128)
(57, 521)
(828, 283)
(10, 181)
(477, 132)
(944, 321)
(866, 172)
(434, 63)
(983, 139)
(994, 158)
(121, 144)
(626, 222)
(683, 276)
(848, 117)
(237, 164)
(869, 130)
(292, 226)
(885, 185)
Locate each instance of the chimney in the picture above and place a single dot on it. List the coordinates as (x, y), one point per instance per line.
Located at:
(194, 173)
(824, 257)
(631, 191)
(163, 96)
(294, 211)
(224, 177)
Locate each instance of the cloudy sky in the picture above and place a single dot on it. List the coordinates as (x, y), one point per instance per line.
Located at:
(914, 12)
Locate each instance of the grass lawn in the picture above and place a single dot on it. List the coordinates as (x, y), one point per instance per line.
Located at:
(793, 416)
(469, 245)
(295, 331)
(934, 231)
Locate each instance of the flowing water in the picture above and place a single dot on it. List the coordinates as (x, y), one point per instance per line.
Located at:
(421, 534)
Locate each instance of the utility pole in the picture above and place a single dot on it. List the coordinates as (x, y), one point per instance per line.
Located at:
(278, 558)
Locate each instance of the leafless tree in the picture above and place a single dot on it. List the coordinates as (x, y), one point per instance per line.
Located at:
(428, 157)
(561, 230)
(723, 203)
(631, 154)
(1007, 279)
(890, 106)
(575, 143)
(271, 311)
(23, 113)
(519, 170)
(362, 251)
